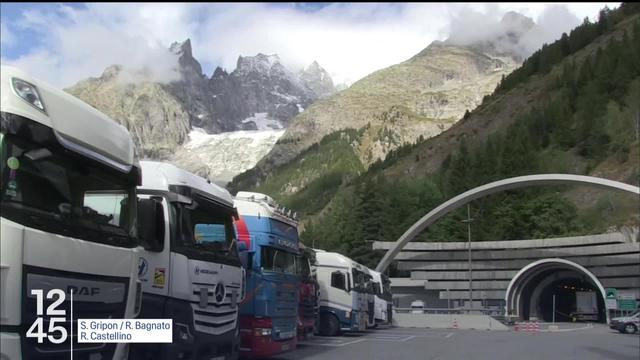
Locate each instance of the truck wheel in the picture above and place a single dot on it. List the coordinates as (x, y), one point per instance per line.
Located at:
(630, 329)
(329, 325)
(334, 326)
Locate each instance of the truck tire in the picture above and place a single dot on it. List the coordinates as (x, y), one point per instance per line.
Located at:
(630, 328)
(329, 325)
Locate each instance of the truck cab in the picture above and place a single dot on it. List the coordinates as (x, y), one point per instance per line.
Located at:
(343, 297)
(68, 210)
(268, 240)
(190, 268)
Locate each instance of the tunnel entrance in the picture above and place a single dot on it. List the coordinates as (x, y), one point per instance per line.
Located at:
(578, 294)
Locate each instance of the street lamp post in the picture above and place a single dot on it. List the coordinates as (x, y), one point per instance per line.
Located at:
(468, 221)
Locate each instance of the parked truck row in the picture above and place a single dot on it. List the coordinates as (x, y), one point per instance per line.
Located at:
(144, 239)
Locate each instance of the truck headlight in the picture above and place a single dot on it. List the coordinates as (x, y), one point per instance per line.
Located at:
(28, 92)
(262, 332)
(347, 314)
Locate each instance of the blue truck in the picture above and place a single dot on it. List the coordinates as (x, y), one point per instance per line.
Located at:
(269, 248)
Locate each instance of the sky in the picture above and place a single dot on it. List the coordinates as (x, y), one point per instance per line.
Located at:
(64, 43)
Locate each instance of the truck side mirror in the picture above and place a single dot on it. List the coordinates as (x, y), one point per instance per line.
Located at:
(246, 256)
(151, 224)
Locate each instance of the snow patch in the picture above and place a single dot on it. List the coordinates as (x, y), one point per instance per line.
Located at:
(300, 108)
(199, 137)
(225, 155)
(263, 122)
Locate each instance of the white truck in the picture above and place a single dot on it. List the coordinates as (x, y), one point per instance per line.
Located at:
(190, 269)
(383, 299)
(586, 306)
(343, 293)
(68, 210)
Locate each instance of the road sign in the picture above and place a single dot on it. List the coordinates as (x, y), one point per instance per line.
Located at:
(612, 293)
(626, 295)
(611, 304)
(624, 304)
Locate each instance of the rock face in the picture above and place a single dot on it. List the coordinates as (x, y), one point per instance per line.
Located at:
(157, 120)
(260, 94)
(193, 91)
(422, 96)
(317, 80)
(261, 84)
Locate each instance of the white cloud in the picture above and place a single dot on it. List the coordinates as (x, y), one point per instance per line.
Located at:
(349, 40)
(7, 38)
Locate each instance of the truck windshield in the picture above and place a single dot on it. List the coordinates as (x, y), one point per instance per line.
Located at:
(204, 231)
(284, 230)
(277, 260)
(52, 189)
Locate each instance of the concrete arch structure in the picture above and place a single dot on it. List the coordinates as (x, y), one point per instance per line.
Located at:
(492, 188)
(522, 278)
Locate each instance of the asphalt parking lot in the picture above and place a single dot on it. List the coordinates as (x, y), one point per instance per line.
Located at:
(580, 342)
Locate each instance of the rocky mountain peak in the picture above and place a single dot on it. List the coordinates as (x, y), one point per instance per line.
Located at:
(318, 80)
(515, 25)
(260, 63)
(111, 72)
(219, 73)
(189, 67)
(181, 48)
(505, 38)
(517, 22)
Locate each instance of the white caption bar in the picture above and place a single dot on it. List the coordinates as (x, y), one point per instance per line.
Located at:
(125, 330)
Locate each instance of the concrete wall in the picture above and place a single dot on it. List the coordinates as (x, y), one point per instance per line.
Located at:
(614, 258)
(433, 321)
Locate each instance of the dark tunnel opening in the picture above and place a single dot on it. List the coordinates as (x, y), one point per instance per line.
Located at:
(577, 298)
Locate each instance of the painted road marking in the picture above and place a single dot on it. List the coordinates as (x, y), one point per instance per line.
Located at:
(339, 345)
(339, 342)
(420, 334)
(589, 326)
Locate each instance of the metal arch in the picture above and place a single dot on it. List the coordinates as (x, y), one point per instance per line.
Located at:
(491, 188)
(525, 274)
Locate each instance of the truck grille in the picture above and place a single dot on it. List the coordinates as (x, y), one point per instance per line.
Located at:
(215, 318)
(286, 302)
(284, 328)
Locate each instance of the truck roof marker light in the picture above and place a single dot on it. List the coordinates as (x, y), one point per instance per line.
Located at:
(29, 93)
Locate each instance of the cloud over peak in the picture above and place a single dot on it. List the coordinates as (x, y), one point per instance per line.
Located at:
(64, 44)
